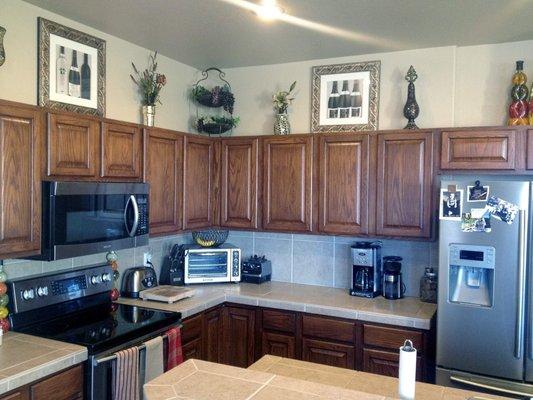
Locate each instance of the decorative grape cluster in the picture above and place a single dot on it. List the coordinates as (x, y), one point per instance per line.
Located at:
(112, 258)
(4, 300)
(519, 107)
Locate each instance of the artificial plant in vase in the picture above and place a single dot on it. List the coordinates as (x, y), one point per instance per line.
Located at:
(282, 100)
(150, 83)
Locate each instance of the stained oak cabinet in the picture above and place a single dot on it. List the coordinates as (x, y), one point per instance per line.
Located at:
(72, 146)
(240, 181)
(20, 180)
(404, 184)
(122, 151)
(198, 182)
(344, 183)
(213, 344)
(164, 172)
(288, 183)
(329, 353)
(239, 336)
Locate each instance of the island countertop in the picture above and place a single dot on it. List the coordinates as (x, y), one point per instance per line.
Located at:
(274, 378)
(407, 312)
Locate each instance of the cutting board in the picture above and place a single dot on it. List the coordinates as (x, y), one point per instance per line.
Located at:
(167, 293)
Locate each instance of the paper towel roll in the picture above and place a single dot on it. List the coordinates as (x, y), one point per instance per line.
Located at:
(406, 386)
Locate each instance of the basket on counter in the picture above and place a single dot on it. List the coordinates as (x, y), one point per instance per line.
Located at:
(210, 237)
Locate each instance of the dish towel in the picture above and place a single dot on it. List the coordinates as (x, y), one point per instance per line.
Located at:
(175, 352)
(126, 375)
(153, 359)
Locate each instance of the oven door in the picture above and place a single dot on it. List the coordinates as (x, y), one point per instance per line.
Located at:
(88, 218)
(207, 266)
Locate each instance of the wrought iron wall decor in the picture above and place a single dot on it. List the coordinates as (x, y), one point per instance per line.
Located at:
(411, 108)
(2, 50)
(71, 69)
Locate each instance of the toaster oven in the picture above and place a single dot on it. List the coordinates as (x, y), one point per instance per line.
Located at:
(192, 263)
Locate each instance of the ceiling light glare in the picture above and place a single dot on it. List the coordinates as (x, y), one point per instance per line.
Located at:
(269, 10)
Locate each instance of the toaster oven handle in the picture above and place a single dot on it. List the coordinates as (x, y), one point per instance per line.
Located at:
(133, 202)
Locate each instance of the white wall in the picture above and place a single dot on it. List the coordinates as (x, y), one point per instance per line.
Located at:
(18, 76)
(456, 86)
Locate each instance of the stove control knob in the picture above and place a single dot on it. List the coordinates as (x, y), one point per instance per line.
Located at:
(28, 294)
(96, 279)
(42, 291)
(106, 277)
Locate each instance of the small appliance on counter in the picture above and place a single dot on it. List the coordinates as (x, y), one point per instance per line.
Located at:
(167, 294)
(136, 280)
(428, 286)
(191, 263)
(393, 287)
(366, 269)
(256, 270)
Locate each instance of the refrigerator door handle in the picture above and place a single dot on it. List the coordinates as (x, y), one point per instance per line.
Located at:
(522, 262)
(473, 383)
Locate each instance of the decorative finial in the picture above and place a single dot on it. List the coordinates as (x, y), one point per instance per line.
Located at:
(2, 51)
(411, 74)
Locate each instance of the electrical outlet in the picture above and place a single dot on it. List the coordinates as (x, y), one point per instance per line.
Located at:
(147, 259)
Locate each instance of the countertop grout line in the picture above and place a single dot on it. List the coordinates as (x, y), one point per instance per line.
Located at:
(261, 388)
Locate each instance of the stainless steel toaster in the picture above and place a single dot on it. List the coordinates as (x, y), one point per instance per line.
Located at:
(137, 279)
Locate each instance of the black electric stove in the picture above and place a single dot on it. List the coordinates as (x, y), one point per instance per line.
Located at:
(75, 307)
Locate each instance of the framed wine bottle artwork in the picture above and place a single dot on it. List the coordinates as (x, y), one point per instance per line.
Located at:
(71, 69)
(345, 97)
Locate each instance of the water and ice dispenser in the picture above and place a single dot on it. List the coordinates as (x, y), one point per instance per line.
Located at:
(471, 274)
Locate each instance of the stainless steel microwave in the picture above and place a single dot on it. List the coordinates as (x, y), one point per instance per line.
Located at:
(81, 218)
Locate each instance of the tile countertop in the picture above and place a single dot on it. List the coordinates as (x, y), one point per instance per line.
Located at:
(274, 378)
(408, 312)
(25, 358)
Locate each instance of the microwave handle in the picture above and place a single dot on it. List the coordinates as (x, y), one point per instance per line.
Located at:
(133, 201)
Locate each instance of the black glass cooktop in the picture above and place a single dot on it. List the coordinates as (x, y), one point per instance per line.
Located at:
(104, 327)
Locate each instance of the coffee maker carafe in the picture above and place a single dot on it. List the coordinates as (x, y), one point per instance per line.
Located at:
(366, 269)
(393, 287)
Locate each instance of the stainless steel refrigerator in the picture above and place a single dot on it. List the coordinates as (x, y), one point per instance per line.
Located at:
(485, 304)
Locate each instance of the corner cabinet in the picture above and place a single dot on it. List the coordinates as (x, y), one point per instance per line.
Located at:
(198, 182)
(20, 180)
(121, 151)
(239, 183)
(239, 336)
(288, 183)
(404, 185)
(344, 183)
(164, 171)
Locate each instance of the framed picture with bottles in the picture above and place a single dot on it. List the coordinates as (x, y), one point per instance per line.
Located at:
(345, 97)
(71, 69)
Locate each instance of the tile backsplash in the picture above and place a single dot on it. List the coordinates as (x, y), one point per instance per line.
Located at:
(307, 259)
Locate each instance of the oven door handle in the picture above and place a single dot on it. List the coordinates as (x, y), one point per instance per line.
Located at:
(133, 201)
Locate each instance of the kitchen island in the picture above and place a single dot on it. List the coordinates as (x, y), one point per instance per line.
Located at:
(281, 378)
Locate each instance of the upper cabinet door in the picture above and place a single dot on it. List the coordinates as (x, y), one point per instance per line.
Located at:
(164, 163)
(72, 146)
(20, 180)
(287, 183)
(198, 177)
(487, 149)
(121, 150)
(404, 184)
(344, 176)
(239, 183)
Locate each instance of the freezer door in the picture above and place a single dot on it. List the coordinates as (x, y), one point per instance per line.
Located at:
(486, 340)
(529, 314)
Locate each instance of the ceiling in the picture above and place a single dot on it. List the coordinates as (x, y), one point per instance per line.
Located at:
(204, 33)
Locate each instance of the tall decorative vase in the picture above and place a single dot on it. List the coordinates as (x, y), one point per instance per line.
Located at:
(282, 125)
(519, 107)
(148, 115)
(2, 51)
(411, 109)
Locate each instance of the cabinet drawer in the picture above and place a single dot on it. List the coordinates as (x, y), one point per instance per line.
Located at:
(192, 329)
(328, 353)
(391, 338)
(65, 385)
(479, 150)
(328, 328)
(192, 349)
(279, 321)
(278, 345)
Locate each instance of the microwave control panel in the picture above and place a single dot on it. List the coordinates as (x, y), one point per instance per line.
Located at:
(142, 202)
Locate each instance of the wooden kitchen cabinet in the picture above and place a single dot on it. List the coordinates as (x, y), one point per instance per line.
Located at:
(122, 151)
(386, 363)
(20, 180)
(19, 394)
(404, 184)
(344, 183)
(198, 182)
(213, 328)
(278, 344)
(529, 149)
(193, 349)
(240, 183)
(328, 353)
(239, 336)
(192, 337)
(164, 173)
(479, 149)
(288, 183)
(73, 146)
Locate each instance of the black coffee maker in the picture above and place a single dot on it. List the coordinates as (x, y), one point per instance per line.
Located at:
(393, 287)
(366, 269)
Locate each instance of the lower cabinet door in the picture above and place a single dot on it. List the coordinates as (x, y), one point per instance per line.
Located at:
(213, 336)
(278, 345)
(193, 349)
(21, 394)
(328, 353)
(386, 363)
(67, 385)
(239, 336)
